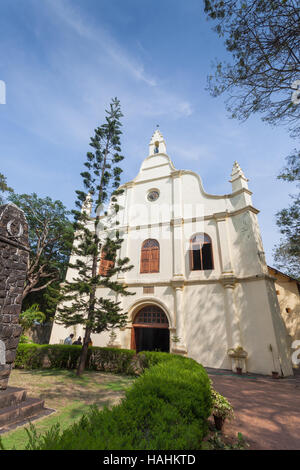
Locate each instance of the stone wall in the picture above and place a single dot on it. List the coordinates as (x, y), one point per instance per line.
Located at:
(14, 253)
(40, 334)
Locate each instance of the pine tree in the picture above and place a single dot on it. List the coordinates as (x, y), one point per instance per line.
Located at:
(101, 183)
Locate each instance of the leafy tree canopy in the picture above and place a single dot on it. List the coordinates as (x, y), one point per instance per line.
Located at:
(3, 187)
(263, 39)
(31, 315)
(287, 254)
(50, 237)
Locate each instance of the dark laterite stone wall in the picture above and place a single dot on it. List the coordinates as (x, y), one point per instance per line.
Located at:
(14, 253)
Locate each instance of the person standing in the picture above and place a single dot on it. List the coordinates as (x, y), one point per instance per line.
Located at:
(69, 339)
(78, 341)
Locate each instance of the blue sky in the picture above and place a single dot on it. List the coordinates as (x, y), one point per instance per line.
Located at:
(63, 61)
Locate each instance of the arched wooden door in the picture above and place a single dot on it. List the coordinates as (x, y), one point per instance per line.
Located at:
(150, 330)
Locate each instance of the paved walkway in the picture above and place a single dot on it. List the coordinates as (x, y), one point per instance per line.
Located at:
(267, 410)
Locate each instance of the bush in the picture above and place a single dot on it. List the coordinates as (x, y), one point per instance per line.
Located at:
(111, 360)
(148, 359)
(166, 408)
(61, 356)
(24, 339)
(221, 406)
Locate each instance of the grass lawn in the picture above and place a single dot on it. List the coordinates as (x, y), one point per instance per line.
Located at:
(70, 396)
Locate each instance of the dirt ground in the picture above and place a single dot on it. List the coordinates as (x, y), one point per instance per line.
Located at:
(267, 411)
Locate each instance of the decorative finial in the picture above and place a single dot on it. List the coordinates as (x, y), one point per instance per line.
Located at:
(157, 143)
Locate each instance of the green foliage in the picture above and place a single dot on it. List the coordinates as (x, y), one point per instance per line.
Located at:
(148, 359)
(47, 299)
(24, 339)
(50, 237)
(287, 253)
(262, 38)
(166, 408)
(30, 315)
(221, 406)
(4, 188)
(61, 356)
(217, 442)
(93, 241)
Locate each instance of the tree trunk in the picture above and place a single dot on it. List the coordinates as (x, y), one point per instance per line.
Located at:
(84, 352)
(88, 330)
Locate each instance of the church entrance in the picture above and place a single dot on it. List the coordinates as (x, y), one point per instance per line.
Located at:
(150, 330)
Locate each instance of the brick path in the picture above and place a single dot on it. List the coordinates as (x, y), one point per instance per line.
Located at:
(267, 410)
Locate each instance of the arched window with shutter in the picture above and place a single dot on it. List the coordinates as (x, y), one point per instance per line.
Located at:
(150, 256)
(105, 264)
(201, 255)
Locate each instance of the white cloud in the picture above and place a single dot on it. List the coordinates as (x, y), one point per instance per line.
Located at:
(101, 39)
(155, 102)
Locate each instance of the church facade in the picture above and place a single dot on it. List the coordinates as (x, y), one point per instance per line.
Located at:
(201, 283)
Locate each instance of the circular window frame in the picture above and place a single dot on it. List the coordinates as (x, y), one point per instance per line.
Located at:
(151, 191)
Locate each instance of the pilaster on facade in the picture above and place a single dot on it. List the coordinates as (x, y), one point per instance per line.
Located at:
(180, 344)
(123, 253)
(223, 236)
(234, 339)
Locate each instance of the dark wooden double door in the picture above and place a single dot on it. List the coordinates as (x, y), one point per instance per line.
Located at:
(150, 330)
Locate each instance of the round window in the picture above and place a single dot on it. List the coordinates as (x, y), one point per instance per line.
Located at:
(153, 195)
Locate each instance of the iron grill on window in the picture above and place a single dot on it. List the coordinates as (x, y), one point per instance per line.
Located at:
(151, 314)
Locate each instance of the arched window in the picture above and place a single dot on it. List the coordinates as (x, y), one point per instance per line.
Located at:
(150, 256)
(105, 264)
(201, 257)
(151, 315)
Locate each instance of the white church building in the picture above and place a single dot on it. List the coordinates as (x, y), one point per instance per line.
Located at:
(201, 283)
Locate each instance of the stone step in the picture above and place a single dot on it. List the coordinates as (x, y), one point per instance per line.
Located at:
(25, 409)
(12, 396)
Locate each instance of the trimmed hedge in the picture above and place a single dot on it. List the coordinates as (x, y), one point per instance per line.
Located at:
(61, 356)
(166, 409)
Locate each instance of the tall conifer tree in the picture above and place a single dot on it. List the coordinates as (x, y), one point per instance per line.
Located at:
(101, 183)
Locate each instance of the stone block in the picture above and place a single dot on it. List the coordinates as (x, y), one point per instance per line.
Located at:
(11, 355)
(12, 343)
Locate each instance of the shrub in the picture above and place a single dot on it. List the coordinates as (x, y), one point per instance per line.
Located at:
(62, 356)
(111, 360)
(148, 359)
(31, 315)
(166, 408)
(221, 406)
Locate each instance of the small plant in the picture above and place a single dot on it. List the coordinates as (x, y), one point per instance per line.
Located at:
(25, 339)
(221, 409)
(221, 406)
(30, 316)
(175, 339)
(219, 442)
(113, 335)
